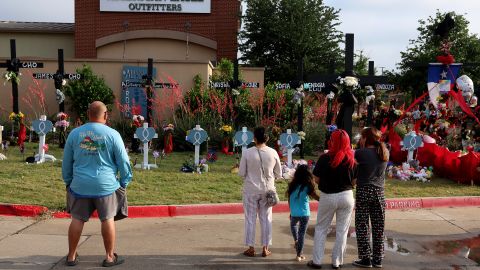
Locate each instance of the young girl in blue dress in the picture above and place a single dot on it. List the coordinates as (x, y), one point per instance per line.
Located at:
(299, 190)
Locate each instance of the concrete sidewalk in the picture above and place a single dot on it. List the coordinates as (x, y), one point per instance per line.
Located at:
(439, 238)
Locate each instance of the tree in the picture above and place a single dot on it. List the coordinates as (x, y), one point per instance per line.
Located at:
(278, 33)
(361, 64)
(423, 50)
(86, 90)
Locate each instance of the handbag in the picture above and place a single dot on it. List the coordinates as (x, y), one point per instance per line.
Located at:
(271, 196)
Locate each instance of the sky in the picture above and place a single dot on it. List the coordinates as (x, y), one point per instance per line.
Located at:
(382, 28)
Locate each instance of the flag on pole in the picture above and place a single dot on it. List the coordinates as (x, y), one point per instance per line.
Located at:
(440, 79)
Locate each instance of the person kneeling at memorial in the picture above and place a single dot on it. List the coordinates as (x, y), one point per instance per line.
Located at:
(93, 156)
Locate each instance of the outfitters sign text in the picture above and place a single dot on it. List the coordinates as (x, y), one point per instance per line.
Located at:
(156, 6)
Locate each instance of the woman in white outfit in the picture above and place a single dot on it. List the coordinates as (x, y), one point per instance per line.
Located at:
(259, 167)
(335, 174)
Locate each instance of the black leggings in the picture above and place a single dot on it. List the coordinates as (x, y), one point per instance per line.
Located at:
(370, 208)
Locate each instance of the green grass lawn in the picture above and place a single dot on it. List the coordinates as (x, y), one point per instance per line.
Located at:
(41, 184)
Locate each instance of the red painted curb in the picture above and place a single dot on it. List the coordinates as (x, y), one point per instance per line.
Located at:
(22, 210)
(237, 208)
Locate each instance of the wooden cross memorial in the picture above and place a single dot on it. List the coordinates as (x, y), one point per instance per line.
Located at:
(323, 81)
(145, 134)
(150, 85)
(411, 142)
(13, 65)
(289, 140)
(58, 78)
(196, 137)
(243, 138)
(42, 127)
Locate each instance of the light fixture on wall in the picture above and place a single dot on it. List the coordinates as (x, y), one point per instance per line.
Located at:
(125, 29)
(187, 26)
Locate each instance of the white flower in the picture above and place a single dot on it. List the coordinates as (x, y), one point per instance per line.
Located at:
(64, 82)
(350, 81)
(302, 135)
(235, 92)
(331, 95)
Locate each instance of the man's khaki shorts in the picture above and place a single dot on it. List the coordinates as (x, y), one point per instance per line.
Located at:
(114, 205)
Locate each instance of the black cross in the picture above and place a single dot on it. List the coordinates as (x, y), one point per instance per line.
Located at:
(58, 77)
(14, 65)
(329, 79)
(149, 89)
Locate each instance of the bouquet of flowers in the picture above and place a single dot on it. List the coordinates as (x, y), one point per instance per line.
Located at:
(349, 82)
(226, 129)
(226, 140)
(168, 127)
(16, 117)
(168, 139)
(62, 120)
(10, 76)
(301, 135)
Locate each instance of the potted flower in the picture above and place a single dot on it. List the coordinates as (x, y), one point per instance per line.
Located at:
(227, 129)
(168, 139)
(62, 124)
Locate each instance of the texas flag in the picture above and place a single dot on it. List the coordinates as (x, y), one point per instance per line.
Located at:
(440, 79)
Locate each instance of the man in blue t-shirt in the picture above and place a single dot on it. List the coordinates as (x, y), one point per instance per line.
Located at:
(94, 155)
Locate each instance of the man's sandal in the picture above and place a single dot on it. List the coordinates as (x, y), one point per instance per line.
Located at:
(249, 252)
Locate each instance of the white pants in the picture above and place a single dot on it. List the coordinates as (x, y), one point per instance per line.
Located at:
(341, 204)
(253, 204)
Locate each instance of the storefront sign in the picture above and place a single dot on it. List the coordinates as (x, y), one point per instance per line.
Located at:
(157, 6)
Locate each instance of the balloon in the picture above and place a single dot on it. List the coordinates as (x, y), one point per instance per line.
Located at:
(428, 139)
(467, 96)
(465, 84)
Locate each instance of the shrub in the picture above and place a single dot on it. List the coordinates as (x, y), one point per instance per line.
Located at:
(86, 90)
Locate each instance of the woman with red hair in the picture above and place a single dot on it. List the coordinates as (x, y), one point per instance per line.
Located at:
(372, 158)
(335, 175)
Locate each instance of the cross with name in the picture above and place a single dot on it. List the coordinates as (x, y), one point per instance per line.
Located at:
(149, 86)
(42, 127)
(58, 79)
(289, 140)
(13, 65)
(243, 138)
(196, 137)
(145, 134)
(378, 82)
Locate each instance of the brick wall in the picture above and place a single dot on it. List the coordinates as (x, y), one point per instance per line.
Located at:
(220, 25)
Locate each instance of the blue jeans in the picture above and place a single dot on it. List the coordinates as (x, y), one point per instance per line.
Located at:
(298, 225)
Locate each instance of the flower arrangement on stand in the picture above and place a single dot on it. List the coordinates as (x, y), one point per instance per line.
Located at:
(10, 76)
(17, 118)
(168, 139)
(62, 124)
(227, 130)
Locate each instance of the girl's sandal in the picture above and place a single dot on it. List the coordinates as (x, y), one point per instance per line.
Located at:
(249, 252)
(266, 253)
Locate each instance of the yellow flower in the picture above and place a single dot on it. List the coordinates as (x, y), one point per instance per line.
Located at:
(226, 128)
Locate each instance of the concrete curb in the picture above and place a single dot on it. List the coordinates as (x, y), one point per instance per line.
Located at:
(237, 208)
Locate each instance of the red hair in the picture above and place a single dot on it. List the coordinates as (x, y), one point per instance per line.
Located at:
(340, 150)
